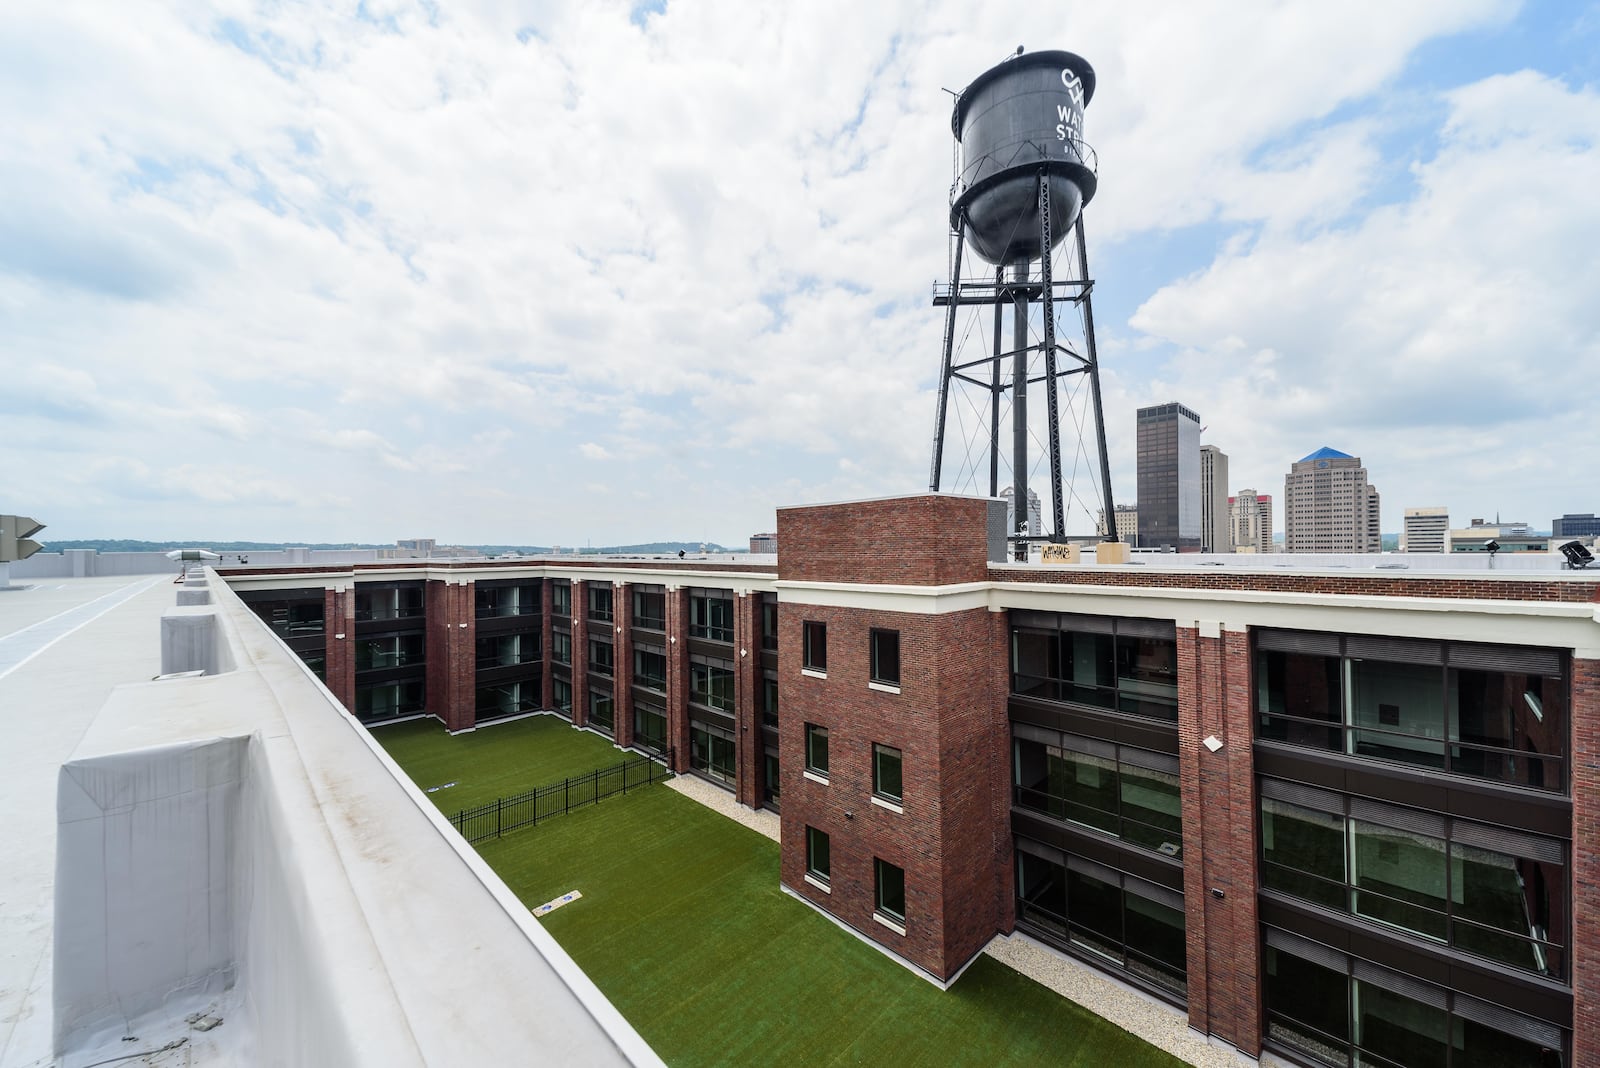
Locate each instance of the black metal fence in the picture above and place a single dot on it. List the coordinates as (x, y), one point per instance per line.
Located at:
(526, 810)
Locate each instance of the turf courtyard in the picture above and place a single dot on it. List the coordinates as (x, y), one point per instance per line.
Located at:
(684, 928)
(497, 760)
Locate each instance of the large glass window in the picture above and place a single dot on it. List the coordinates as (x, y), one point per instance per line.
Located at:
(769, 701)
(814, 654)
(1108, 916)
(390, 651)
(560, 597)
(507, 699)
(650, 609)
(711, 615)
(390, 603)
(711, 685)
(600, 602)
(1131, 793)
(1339, 1010)
(387, 700)
(650, 668)
(650, 726)
(506, 601)
(601, 657)
(886, 656)
(889, 890)
(817, 749)
(602, 714)
(1489, 891)
(1125, 665)
(819, 864)
(561, 646)
(1486, 711)
(501, 650)
(711, 752)
(770, 780)
(769, 622)
(886, 772)
(561, 694)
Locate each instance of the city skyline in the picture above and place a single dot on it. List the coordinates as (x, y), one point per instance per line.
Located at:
(297, 275)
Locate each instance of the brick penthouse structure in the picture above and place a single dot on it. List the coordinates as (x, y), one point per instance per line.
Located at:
(1341, 815)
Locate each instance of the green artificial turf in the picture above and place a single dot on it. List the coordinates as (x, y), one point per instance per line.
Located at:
(684, 928)
(496, 760)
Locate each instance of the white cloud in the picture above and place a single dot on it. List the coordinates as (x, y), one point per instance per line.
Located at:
(416, 261)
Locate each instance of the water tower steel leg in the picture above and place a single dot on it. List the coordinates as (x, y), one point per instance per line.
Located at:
(1052, 403)
(1094, 384)
(995, 390)
(1019, 403)
(949, 342)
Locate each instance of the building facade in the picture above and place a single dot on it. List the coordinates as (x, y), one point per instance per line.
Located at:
(1035, 513)
(1169, 478)
(1586, 525)
(1330, 507)
(1338, 816)
(1127, 523)
(1250, 518)
(1216, 532)
(1427, 530)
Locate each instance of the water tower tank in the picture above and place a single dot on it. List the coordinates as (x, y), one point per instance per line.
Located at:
(1014, 120)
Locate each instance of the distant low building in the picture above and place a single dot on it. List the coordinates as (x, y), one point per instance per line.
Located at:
(764, 543)
(1427, 530)
(1509, 537)
(1571, 525)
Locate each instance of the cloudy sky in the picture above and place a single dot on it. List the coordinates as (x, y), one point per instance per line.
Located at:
(605, 272)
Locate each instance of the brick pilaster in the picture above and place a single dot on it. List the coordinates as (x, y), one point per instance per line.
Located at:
(339, 637)
(580, 652)
(678, 676)
(1219, 844)
(547, 700)
(622, 657)
(748, 761)
(450, 656)
(1585, 719)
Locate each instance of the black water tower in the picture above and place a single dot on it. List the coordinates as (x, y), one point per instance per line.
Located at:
(1023, 175)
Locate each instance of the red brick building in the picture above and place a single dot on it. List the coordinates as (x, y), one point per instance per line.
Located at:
(1342, 815)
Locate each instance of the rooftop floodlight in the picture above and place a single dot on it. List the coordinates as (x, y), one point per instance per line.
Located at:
(1491, 546)
(1578, 557)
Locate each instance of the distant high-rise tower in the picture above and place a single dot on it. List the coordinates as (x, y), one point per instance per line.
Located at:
(1426, 530)
(1250, 521)
(1169, 478)
(1329, 507)
(1034, 513)
(1215, 534)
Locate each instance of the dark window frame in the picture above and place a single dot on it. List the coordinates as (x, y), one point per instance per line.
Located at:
(889, 890)
(884, 646)
(814, 646)
(881, 784)
(817, 745)
(819, 855)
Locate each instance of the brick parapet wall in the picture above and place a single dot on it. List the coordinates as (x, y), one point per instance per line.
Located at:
(1563, 591)
(678, 677)
(927, 540)
(622, 657)
(948, 721)
(1585, 862)
(339, 636)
